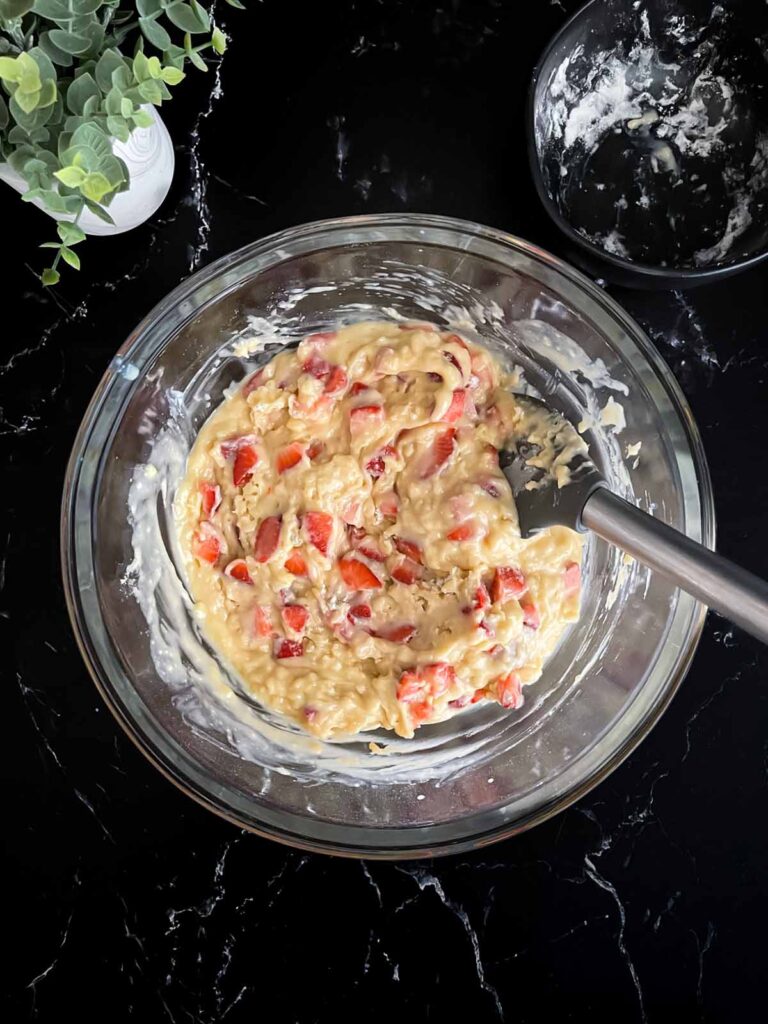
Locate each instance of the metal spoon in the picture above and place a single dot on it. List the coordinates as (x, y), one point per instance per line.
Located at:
(552, 446)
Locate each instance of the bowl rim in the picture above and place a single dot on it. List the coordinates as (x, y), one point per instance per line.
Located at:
(416, 846)
(653, 272)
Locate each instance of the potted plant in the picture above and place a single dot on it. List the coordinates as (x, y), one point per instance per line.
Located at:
(81, 81)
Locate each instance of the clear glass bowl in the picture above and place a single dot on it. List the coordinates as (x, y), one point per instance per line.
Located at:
(486, 773)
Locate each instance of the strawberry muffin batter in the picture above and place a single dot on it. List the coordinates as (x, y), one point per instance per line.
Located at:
(351, 543)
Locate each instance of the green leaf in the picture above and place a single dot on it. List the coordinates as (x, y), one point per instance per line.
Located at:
(172, 76)
(155, 33)
(237, 4)
(53, 10)
(69, 42)
(118, 127)
(150, 91)
(27, 101)
(147, 8)
(141, 67)
(197, 60)
(72, 177)
(123, 78)
(64, 60)
(94, 138)
(28, 119)
(10, 69)
(142, 119)
(219, 41)
(12, 9)
(202, 15)
(99, 211)
(53, 201)
(86, 6)
(70, 257)
(70, 234)
(82, 89)
(154, 67)
(184, 17)
(44, 66)
(4, 115)
(49, 245)
(91, 106)
(48, 94)
(114, 102)
(126, 107)
(96, 186)
(50, 276)
(109, 62)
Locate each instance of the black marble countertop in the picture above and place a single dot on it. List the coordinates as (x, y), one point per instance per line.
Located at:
(124, 899)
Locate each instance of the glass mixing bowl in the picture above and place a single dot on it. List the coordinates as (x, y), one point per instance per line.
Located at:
(486, 773)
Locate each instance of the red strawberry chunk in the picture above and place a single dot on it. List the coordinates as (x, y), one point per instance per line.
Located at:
(396, 634)
(439, 453)
(316, 448)
(434, 680)
(491, 487)
(360, 611)
(210, 498)
(207, 543)
(507, 583)
(441, 677)
(337, 381)
(318, 367)
(453, 361)
(253, 382)
(466, 531)
(407, 571)
(295, 563)
(246, 458)
(389, 504)
(295, 617)
(369, 549)
(363, 416)
(408, 548)
(289, 456)
(572, 577)
(357, 387)
(267, 538)
(375, 467)
(531, 617)
(318, 527)
(285, 648)
(238, 570)
(351, 513)
(456, 409)
(411, 688)
(262, 621)
(357, 575)
(482, 598)
(509, 691)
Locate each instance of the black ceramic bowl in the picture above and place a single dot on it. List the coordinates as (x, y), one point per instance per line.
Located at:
(648, 138)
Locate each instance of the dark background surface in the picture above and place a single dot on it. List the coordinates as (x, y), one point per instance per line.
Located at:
(646, 901)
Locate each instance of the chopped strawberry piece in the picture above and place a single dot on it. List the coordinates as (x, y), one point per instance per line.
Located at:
(246, 458)
(351, 513)
(207, 543)
(357, 387)
(421, 712)
(210, 498)
(362, 415)
(439, 453)
(389, 504)
(507, 583)
(407, 571)
(412, 687)
(408, 548)
(401, 634)
(428, 681)
(262, 621)
(317, 366)
(337, 381)
(360, 611)
(572, 577)
(460, 702)
(289, 456)
(441, 677)
(509, 691)
(368, 547)
(482, 598)
(285, 648)
(466, 531)
(316, 448)
(454, 361)
(531, 617)
(375, 467)
(267, 538)
(319, 527)
(487, 628)
(435, 377)
(495, 651)
(295, 563)
(478, 695)
(357, 575)
(456, 409)
(491, 487)
(295, 617)
(253, 382)
(238, 570)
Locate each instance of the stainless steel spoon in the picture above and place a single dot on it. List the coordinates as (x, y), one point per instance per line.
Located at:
(552, 445)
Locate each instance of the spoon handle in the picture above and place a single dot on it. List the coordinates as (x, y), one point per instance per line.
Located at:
(727, 588)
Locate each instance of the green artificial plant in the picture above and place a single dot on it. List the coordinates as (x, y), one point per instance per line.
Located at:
(75, 76)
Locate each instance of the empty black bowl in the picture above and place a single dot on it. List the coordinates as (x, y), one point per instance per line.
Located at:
(648, 138)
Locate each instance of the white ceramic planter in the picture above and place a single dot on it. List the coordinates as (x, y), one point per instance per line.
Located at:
(149, 157)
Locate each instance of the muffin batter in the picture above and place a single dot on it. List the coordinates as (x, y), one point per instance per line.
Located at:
(351, 543)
